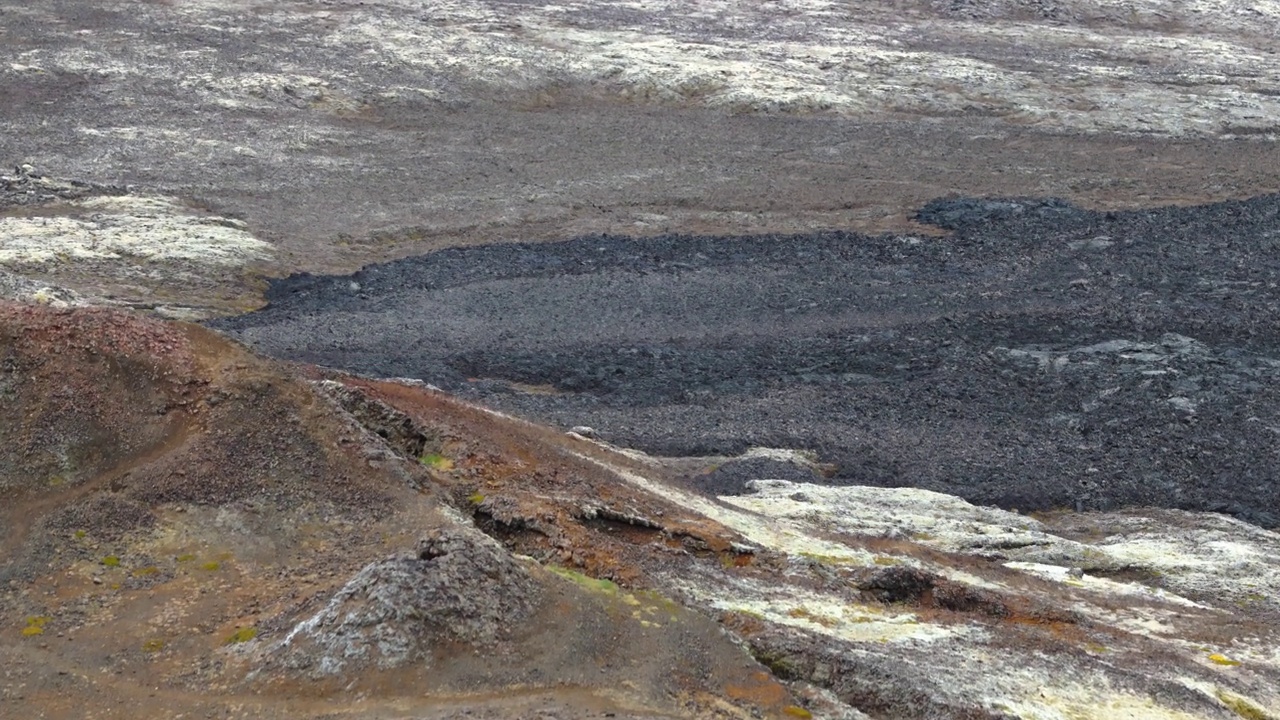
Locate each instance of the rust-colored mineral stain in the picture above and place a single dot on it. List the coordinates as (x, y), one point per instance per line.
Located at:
(761, 690)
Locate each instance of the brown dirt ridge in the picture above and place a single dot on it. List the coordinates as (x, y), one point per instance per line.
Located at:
(175, 507)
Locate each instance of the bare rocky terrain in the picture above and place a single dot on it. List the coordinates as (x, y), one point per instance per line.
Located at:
(1036, 357)
(756, 359)
(193, 530)
(343, 133)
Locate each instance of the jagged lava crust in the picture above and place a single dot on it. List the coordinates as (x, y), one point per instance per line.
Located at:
(1035, 356)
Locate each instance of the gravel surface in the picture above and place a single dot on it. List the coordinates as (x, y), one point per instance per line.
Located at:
(345, 133)
(1039, 356)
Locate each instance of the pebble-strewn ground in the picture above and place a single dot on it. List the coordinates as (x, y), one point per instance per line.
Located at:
(344, 133)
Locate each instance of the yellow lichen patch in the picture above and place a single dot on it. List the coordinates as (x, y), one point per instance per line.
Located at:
(833, 615)
(748, 614)
(796, 711)
(1220, 659)
(146, 571)
(1090, 703)
(80, 534)
(35, 625)
(242, 635)
(806, 614)
(211, 565)
(476, 499)
(829, 559)
(153, 646)
(658, 601)
(186, 557)
(111, 561)
(644, 602)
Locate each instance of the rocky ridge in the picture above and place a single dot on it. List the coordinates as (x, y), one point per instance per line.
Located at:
(419, 537)
(188, 528)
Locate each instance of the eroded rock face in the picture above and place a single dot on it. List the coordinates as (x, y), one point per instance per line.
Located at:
(26, 186)
(459, 588)
(899, 602)
(1158, 614)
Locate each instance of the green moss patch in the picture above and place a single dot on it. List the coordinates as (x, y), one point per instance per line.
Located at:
(436, 461)
(782, 666)
(1243, 706)
(605, 586)
(242, 635)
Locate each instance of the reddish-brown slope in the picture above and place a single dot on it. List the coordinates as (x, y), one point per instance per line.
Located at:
(173, 507)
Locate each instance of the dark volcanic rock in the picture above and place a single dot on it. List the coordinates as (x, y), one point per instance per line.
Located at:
(1039, 356)
(731, 478)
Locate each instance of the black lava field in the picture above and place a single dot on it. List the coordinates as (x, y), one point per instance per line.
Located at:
(1035, 356)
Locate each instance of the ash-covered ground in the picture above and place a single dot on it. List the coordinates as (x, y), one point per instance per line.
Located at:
(1035, 356)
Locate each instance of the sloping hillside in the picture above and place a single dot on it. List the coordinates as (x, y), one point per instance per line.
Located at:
(192, 530)
(189, 529)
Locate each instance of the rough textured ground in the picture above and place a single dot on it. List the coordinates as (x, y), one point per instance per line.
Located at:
(343, 133)
(1037, 356)
(191, 530)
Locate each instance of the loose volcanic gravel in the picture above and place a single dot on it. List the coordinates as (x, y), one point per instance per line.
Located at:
(1036, 356)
